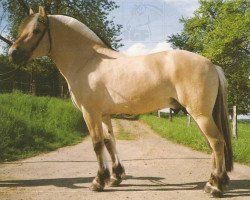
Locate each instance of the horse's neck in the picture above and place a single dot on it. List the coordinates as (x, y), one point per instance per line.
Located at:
(70, 48)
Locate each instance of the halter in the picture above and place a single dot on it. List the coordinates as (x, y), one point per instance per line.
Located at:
(45, 22)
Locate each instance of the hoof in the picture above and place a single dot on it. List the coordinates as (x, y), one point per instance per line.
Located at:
(215, 192)
(100, 180)
(208, 188)
(96, 187)
(115, 182)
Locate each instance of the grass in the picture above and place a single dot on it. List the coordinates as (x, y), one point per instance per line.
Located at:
(123, 134)
(30, 125)
(241, 146)
(178, 132)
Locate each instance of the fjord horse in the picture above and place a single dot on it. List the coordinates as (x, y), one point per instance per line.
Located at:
(102, 82)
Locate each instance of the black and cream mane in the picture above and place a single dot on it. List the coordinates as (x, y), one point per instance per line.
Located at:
(82, 28)
(75, 24)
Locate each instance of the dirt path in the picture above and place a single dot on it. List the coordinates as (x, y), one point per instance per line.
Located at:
(156, 169)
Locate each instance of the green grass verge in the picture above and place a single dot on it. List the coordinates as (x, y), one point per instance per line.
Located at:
(30, 125)
(178, 132)
(241, 146)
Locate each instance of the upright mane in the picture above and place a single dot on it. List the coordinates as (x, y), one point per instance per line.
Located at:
(83, 29)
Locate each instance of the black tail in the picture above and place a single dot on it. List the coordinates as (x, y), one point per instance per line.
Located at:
(220, 115)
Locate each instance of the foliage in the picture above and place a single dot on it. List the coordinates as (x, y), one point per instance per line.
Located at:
(7, 74)
(220, 31)
(47, 79)
(30, 125)
(178, 132)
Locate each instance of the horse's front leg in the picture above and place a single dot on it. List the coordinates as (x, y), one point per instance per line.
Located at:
(94, 124)
(118, 171)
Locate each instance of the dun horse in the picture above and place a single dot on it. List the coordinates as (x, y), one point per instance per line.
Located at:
(102, 82)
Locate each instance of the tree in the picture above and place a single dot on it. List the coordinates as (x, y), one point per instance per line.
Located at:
(220, 31)
(3, 28)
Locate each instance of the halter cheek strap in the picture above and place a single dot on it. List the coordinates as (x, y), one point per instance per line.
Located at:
(45, 22)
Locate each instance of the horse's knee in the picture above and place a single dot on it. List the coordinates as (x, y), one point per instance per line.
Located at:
(98, 147)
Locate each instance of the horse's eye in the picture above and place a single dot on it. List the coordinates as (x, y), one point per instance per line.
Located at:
(36, 31)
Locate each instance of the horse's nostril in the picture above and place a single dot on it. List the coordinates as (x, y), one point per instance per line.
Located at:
(17, 55)
(14, 53)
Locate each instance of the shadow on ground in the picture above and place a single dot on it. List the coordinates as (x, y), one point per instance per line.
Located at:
(58, 182)
(238, 188)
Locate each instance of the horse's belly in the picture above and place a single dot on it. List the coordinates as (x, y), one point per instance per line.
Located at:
(138, 106)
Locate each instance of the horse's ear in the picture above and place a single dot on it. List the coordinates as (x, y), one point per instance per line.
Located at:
(42, 11)
(31, 12)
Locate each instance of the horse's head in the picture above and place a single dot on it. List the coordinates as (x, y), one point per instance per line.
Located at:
(33, 39)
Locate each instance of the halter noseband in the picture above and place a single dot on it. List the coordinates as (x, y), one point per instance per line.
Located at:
(45, 22)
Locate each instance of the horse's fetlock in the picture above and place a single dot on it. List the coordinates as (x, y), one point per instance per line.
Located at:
(118, 174)
(118, 169)
(103, 176)
(225, 179)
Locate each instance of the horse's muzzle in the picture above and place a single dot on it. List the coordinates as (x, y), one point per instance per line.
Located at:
(18, 56)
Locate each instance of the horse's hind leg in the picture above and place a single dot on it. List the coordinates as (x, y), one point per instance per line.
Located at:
(118, 171)
(219, 176)
(94, 123)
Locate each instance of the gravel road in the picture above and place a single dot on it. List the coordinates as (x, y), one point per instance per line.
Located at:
(155, 168)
